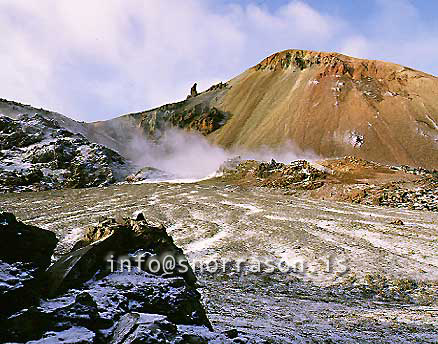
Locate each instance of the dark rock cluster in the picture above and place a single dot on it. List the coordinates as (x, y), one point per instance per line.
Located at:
(38, 154)
(423, 196)
(25, 253)
(82, 298)
(299, 174)
(199, 117)
(218, 86)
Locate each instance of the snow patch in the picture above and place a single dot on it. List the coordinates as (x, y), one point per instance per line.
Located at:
(354, 138)
(252, 209)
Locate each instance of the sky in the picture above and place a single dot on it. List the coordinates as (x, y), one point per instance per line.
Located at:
(97, 59)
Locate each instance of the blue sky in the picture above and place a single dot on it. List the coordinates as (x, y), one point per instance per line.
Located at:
(96, 59)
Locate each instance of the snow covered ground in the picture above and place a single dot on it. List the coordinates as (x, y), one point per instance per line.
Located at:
(388, 293)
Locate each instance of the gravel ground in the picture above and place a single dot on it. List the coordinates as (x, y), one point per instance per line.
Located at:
(365, 279)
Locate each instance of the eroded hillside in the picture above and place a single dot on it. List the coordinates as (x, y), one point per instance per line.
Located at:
(329, 103)
(336, 106)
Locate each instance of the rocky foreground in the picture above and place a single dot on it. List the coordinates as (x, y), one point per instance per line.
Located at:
(80, 298)
(389, 294)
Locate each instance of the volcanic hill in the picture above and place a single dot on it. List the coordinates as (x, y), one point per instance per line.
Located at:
(332, 104)
(328, 103)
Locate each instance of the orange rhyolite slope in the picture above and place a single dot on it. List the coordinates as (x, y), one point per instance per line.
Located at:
(335, 105)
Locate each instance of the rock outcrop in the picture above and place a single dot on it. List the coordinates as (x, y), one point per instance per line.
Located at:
(347, 179)
(98, 293)
(298, 174)
(193, 91)
(36, 153)
(25, 253)
(199, 117)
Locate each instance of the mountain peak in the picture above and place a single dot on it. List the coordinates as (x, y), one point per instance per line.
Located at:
(333, 64)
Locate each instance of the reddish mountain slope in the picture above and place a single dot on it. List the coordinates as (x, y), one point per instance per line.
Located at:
(335, 105)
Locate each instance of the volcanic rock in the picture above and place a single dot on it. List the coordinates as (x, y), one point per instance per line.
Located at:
(349, 179)
(193, 91)
(38, 154)
(25, 253)
(93, 298)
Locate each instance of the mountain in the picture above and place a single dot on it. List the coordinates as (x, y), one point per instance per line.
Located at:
(328, 103)
(332, 104)
(14, 110)
(336, 106)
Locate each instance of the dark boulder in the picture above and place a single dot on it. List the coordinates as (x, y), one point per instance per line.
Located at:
(94, 298)
(25, 243)
(110, 240)
(35, 322)
(25, 253)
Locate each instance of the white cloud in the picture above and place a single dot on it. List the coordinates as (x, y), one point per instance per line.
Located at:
(96, 59)
(307, 21)
(356, 46)
(130, 53)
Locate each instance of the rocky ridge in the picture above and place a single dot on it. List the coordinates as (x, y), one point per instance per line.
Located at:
(36, 153)
(348, 179)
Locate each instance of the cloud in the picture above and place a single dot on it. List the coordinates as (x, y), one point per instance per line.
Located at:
(397, 33)
(356, 46)
(82, 57)
(94, 59)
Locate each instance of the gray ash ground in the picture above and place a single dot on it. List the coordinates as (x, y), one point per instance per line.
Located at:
(388, 295)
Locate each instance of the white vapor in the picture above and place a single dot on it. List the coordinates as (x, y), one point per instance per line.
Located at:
(179, 153)
(182, 154)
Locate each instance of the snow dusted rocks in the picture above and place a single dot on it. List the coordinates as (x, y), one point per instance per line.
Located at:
(299, 174)
(25, 253)
(88, 300)
(36, 153)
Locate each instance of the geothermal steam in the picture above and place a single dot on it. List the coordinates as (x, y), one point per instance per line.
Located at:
(190, 155)
(179, 153)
